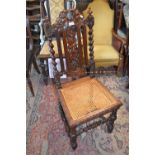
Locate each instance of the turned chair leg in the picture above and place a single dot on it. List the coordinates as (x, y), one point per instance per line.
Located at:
(36, 66)
(30, 84)
(110, 122)
(73, 138)
(64, 119)
(70, 131)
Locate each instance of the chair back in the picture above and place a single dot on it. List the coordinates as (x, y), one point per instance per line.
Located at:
(71, 36)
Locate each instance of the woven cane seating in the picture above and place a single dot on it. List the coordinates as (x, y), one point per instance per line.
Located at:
(84, 99)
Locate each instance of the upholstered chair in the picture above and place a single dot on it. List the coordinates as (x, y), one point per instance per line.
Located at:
(105, 53)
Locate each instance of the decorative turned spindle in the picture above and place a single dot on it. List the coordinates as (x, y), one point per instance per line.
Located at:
(55, 71)
(90, 23)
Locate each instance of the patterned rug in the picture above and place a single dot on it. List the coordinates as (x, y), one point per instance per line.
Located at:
(46, 133)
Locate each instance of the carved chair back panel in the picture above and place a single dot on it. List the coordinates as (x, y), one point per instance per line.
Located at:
(71, 42)
(71, 37)
(74, 49)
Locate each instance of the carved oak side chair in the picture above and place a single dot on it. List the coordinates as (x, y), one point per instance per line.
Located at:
(84, 100)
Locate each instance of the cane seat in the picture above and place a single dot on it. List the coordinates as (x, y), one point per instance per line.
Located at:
(85, 98)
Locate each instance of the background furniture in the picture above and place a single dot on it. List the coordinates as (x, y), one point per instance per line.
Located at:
(49, 9)
(31, 51)
(106, 54)
(33, 13)
(85, 99)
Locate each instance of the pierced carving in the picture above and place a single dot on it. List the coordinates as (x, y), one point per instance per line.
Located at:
(47, 28)
(71, 26)
(72, 49)
(67, 25)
